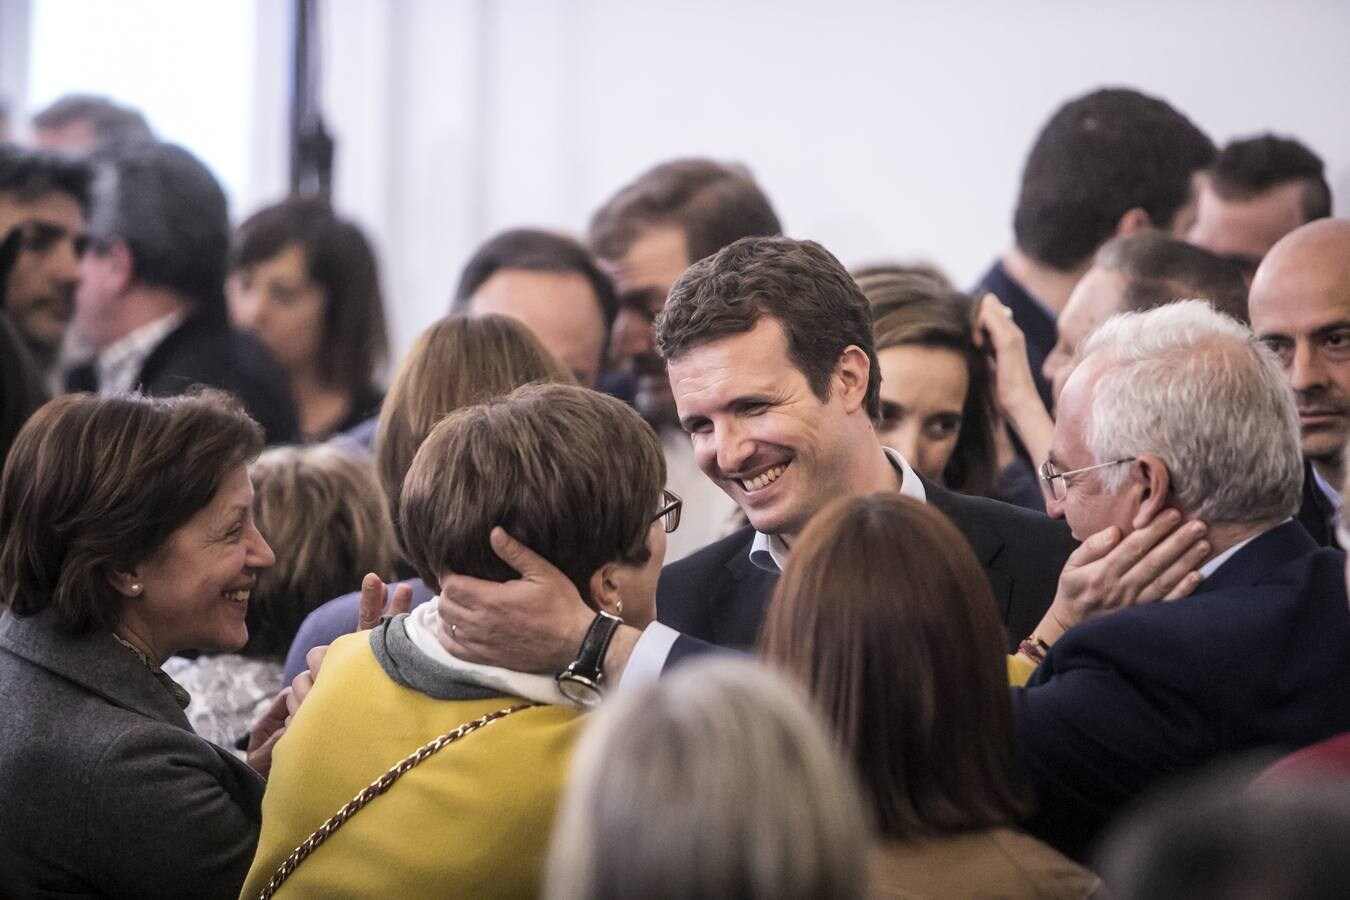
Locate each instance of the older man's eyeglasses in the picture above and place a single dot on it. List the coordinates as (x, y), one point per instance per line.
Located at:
(1057, 482)
(669, 514)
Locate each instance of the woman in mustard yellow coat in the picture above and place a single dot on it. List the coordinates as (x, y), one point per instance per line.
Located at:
(578, 477)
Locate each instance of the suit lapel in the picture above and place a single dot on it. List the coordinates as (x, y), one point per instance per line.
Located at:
(95, 662)
(738, 614)
(984, 540)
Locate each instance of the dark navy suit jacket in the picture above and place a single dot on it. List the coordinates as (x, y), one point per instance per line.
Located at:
(1258, 657)
(718, 597)
(1316, 512)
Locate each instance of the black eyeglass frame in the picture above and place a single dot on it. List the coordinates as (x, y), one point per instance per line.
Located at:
(669, 514)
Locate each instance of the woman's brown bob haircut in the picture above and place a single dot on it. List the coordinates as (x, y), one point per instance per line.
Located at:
(573, 474)
(95, 485)
(456, 362)
(884, 614)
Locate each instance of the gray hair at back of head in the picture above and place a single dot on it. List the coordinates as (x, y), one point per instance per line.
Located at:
(717, 782)
(1197, 389)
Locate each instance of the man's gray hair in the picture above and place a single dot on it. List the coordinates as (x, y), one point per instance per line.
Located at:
(1197, 389)
(718, 781)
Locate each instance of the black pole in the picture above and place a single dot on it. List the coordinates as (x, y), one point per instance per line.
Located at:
(311, 145)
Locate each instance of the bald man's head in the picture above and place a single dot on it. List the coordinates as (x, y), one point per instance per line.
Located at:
(1300, 306)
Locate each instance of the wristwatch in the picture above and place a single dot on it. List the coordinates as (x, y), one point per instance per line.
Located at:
(582, 681)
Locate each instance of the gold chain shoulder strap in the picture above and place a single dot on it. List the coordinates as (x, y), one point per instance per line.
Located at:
(373, 790)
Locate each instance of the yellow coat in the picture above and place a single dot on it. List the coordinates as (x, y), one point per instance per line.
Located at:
(473, 820)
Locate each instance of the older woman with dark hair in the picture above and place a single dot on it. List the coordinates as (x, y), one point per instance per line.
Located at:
(883, 613)
(128, 536)
(473, 755)
(307, 284)
(328, 522)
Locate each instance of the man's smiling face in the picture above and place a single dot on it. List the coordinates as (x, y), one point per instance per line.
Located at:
(759, 431)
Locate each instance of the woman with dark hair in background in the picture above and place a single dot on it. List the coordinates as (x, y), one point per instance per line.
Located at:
(327, 520)
(128, 536)
(884, 614)
(307, 284)
(935, 402)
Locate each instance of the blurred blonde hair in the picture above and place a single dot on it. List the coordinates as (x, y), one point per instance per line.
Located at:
(457, 362)
(328, 523)
(714, 782)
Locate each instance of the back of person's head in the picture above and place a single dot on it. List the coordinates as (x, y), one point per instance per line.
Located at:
(96, 485)
(911, 309)
(573, 474)
(338, 259)
(102, 120)
(714, 782)
(1159, 269)
(921, 275)
(21, 388)
(327, 521)
(1221, 839)
(798, 284)
(30, 175)
(1198, 390)
(169, 210)
(881, 598)
(456, 362)
(1100, 156)
(534, 250)
(714, 203)
(1251, 166)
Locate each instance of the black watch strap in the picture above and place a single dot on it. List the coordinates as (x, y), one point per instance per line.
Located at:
(590, 659)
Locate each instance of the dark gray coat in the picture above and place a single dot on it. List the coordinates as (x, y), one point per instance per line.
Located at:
(105, 791)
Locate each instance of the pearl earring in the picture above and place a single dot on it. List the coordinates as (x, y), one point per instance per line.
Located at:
(618, 607)
(136, 588)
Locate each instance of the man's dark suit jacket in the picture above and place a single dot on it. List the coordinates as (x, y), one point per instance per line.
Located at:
(205, 350)
(1316, 512)
(718, 596)
(1258, 657)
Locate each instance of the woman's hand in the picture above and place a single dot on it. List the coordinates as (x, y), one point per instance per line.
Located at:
(1014, 387)
(373, 606)
(265, 733)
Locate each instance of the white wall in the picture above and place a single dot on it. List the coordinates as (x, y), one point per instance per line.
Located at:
(882, 129)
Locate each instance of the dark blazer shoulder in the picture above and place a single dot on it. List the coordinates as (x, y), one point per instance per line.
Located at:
(716, 594)
(207, 351)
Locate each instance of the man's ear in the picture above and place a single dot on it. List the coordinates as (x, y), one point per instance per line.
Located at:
(851, 373)
(1154, 483)
(605, 589)
(128, 584)
(121, 265)
(1133, 221)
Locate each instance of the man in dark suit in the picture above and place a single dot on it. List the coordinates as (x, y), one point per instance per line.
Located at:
(151, 298)
(1181, 406)
(1300, 306)
(772, 368)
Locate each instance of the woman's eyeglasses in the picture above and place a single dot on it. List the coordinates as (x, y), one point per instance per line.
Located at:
(669, 514)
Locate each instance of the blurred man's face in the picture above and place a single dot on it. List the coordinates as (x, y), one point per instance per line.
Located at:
(40, 288)
(1097, 297)
(560, 308)
(643, 277)
(1244, 230)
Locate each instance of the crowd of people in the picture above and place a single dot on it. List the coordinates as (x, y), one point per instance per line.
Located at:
(677, 560)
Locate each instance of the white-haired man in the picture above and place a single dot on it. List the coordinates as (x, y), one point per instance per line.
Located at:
(1183, 407)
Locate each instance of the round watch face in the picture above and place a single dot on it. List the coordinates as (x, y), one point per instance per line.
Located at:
(580, 690)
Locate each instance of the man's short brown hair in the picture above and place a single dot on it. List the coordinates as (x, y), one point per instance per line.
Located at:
(799, 284)
(714, 203)
(1159, 270)
(95, 485)
(573, 474)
